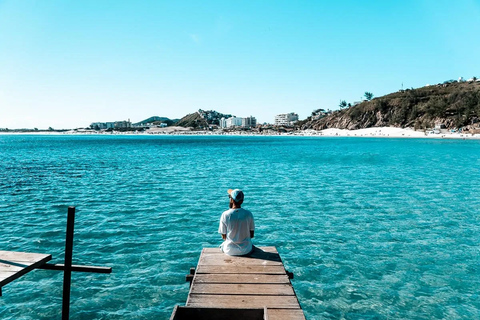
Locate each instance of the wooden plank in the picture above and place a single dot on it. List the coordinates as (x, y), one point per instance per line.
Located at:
(6, 274)
(211, 260)
(242, 289)
(285, 314)
(241, 269)
(7, 267)
(241, 278)
(21, 256)
(219, 251)
(242, 301)
(13, 264)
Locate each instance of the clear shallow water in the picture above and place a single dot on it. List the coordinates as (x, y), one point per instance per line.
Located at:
(371, 228)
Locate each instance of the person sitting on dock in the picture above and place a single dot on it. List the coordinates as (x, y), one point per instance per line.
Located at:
(236, 226)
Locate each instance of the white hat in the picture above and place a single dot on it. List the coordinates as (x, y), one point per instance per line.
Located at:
(236, 194)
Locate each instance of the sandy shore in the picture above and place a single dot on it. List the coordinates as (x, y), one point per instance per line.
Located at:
(377, 132)
(390, 132)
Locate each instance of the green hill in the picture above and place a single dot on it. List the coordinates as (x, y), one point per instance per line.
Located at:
(453, 104)
(157, 120)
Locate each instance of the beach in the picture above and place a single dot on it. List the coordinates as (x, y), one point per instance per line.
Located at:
(392, 132)
(374, 132)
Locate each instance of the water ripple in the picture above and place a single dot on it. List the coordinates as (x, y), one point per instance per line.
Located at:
(371, 228)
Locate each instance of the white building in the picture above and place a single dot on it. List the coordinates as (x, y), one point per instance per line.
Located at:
(286, 119)
(111, 125)
(222, 123)
(234, 122)
(247, 122)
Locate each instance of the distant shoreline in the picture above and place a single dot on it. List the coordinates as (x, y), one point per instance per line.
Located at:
(377, 132)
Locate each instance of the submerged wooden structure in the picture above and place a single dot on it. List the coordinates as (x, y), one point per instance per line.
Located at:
(15, 264)
(248, 287)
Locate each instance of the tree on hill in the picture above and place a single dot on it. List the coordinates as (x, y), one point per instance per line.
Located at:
(343, 104)
(368, 95)
(317, 111)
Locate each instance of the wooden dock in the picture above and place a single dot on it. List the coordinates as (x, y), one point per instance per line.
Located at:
(258, 281)
(13, 265)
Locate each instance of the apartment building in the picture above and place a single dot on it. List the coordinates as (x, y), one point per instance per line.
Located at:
(286, 119)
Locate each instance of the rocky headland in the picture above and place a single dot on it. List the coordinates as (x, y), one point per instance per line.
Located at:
(450, 105)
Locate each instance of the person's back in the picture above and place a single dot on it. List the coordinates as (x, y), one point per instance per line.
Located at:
(237, 227)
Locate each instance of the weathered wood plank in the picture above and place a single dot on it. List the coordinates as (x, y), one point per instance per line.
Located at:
(219, 251)
(242, 301)
(13, 265)
(6, 274)
(21, 256)
(241, 269)
(285, 314)
(6, 267)
(211, 260)
(241, 278)
(242, 289)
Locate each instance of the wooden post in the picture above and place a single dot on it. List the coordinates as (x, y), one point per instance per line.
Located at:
(67, 273)
(189, 277)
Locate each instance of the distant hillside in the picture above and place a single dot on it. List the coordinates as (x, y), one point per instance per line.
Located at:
(192, 120)
(453, 104)
(156, 120)
(202, 119)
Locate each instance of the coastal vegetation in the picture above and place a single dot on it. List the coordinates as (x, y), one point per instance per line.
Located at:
(451, 105)
(155, 120)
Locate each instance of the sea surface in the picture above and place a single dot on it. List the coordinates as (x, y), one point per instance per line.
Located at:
(372, 228)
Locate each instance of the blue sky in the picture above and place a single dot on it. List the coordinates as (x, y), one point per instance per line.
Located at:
(66, 64)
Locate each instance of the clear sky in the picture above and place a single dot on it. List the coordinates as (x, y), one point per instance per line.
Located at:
(65, 64)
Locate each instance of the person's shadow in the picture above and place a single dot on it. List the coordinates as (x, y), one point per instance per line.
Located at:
(258, 253)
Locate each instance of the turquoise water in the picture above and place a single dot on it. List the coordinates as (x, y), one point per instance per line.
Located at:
(371, 228)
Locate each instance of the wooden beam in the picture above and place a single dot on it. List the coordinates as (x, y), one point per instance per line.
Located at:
(76, 268)
(67, 271)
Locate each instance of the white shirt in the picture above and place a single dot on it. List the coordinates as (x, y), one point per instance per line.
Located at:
(236, 224)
